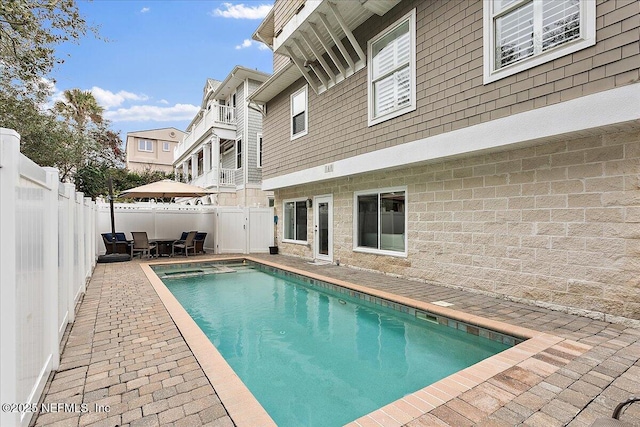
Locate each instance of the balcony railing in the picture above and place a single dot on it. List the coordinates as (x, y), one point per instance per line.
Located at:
(227, 176)
(226, 115)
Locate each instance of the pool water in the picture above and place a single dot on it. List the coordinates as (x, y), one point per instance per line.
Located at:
(316, 358)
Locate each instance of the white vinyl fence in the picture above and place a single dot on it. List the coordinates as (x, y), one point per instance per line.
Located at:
(229, 229)
(47, 253)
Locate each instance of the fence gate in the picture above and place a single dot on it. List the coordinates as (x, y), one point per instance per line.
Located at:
(243, 231)
(231, 232)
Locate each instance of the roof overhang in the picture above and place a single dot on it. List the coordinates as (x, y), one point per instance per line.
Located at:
(235, 78)
(319, 41)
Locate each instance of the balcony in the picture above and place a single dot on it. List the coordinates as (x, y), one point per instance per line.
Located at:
(222, 117)
(211, 178)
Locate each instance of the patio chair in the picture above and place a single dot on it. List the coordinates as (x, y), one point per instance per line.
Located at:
(141, 244)
(199, 242)
(122, 244)
(185, 245)
(615, 421)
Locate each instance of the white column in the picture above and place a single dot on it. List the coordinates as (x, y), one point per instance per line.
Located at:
(185, 171)
(194, 166)
(206, 152)
(215, 158)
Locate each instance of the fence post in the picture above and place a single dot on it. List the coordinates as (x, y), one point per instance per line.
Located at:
(9, 157)
(69, 268)
(86, 207)
(50, 262)
(80, 241)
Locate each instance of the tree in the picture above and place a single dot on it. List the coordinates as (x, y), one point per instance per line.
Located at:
(80, 108)
(29, 32)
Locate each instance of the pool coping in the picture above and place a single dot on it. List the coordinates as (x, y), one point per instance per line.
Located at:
(245, 410)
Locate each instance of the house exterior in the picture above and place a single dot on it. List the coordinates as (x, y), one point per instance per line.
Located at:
(222, 146)
(152, 150)
(488, 145)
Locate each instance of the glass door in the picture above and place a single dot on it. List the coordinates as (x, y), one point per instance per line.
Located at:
(323, 228)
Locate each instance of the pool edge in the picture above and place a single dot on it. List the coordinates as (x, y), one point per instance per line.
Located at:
(245, 410)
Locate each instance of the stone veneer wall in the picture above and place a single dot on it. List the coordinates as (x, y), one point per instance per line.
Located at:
(255, 198)
(557, 223)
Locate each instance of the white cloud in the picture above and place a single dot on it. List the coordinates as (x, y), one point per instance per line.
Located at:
(248, 43)
(108, 99)
(163, 101)
(145, 10)
(141, 113)
(240, 11)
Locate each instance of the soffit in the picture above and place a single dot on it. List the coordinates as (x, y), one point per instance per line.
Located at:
(320, 43)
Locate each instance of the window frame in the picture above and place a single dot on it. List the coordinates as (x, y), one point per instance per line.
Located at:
(378, 192)
(490, 74)
(239, 153)
(259, 143)
(411, 18)
(306, 112)
(284, 220)
(147, 142)
(166, 144)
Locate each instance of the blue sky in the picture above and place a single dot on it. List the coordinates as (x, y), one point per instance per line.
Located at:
(150, 71)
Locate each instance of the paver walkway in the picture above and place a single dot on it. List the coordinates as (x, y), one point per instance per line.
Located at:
(125, 352)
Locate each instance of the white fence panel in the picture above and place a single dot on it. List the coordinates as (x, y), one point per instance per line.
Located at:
(35, 263)
(159, 221)
(261, 229)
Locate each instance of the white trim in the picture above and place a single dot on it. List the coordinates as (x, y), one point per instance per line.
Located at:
(306, 112)
(378, 191)
(328, 198)
(411, 17)
(258, 151)
(168, 145)
(610, 107)
(284, 202)
(588, 38)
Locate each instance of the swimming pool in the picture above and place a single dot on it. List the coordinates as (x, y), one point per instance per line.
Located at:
(330, 356)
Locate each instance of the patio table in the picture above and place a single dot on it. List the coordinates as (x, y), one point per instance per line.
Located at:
(163, 245)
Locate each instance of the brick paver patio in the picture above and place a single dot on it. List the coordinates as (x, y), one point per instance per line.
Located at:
(124, 352)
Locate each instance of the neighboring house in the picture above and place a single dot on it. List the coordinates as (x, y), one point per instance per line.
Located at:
(490, 145)
(222, 148)
(152, 150)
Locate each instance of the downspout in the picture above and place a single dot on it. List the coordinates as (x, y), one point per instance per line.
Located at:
(245, 160)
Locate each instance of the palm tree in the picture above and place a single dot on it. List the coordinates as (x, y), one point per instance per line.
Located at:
(80, 107)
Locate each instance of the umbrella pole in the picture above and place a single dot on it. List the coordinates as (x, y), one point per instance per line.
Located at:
(113, 217)
(113, 257)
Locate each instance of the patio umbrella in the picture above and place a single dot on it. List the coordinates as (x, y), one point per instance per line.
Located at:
(166, 189)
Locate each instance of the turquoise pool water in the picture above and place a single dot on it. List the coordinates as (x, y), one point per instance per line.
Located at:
(317, 358)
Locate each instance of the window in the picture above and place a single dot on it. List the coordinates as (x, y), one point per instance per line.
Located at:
(239, 154)
(259, 150)
(299, 113)
(295, 220)
(521, 34)
(392, 70)
(380, 221)
(166, 146)
(145, 145)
